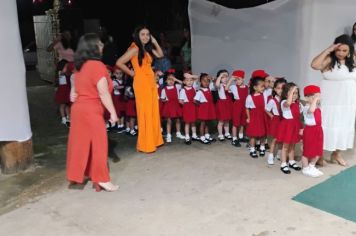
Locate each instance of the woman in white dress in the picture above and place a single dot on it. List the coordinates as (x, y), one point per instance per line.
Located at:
(338, 96)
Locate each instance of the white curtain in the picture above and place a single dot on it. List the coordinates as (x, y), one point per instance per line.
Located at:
(280, 37)
(14, 115)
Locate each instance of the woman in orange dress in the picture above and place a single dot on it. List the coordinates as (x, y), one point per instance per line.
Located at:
(87, 151)
(141, 53)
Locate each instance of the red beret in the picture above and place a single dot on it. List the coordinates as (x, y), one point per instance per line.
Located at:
(311, 89)
(259, 73)
(239, 73)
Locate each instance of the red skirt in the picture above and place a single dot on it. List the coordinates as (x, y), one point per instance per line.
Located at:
(189, 112)
(288, 131)
(172, 109)
(118, 104)
(313, 140)
(223, 110)
(62, 95)
(239, 115)
(206, 111)
(131, 108)
(273, 127)
(257, 127)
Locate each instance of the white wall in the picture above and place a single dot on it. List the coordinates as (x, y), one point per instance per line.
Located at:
(281, 37)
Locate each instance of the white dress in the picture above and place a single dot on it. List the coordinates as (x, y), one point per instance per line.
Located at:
(338, 97)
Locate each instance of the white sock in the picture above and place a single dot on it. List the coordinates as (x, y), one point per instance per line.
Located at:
(291, 162)
(178, 134)
(262, 148)
(241, 135)
(270, 155)
(64, 120)
(194, 135)
(168, 135)
(207, 136)
(283, 164)
(234, 138)
(252, 149)
(187, 136)
(258, 142)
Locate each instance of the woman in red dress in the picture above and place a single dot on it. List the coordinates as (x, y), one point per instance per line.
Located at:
(87, 151)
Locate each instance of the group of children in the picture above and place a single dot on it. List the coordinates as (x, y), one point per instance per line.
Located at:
(264, 107)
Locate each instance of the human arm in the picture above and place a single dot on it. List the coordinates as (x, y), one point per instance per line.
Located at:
(121, 62)
(218, 81)
(50, 47)
(157, 51)
(247, 115)
(290, 97)
(313, 105)
(106, 100)
(321, 61)
(73, 94)
(229, 83)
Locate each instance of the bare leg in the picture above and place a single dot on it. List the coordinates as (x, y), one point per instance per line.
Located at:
(194, 129)
(234, 131)
(62, 110)
(202, 128)
(169, 126)
(336, 156)
(178, 125)
(291, 152)
(186, 129)
(226, 127)
(220, 126)
(285, 149)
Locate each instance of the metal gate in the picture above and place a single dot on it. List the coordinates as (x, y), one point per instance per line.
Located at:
(43, 34)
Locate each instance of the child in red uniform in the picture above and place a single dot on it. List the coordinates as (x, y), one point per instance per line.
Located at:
(189, 112)
(130, 107)
(239, 91)
(172, 109)
(256, 122)
(290, 126)
(62, 96)
(206, 108)
(313, 136)
(118, 97)
(273, 110)
(223, 105)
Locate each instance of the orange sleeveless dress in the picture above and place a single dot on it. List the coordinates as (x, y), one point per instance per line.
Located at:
(148, 117)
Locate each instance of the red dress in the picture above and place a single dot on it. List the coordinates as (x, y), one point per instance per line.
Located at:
(313, 138)
(206, 110)
(87, 151)
(189, 108)
(224, 107)
(130, 104)
(171, 108)
(257, 127)
(275, 121)
(116, 98)
(239, 115)
(288, 131)
(63, 91)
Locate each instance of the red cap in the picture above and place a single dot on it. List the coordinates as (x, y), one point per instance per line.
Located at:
(239, 73)
(311, 89)
(259, 73)
(171, 71)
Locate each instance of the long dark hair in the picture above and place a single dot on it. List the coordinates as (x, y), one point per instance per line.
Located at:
(353, 35)
(349, 60)
(87, 49)
(220, 72)
(142, 48)
(276, 83)
(286, 89)
(254, 82)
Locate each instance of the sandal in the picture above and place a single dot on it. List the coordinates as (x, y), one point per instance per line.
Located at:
(285, 170)
(294, 166)
(108, 186)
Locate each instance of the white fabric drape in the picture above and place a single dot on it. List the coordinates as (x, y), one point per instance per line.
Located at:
(14, 115)
(281, 37)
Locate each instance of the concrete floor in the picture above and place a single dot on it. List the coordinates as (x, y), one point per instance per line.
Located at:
(179, 190)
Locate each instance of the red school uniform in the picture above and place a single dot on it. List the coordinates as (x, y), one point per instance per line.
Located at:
(257, 126)
(239, 115)
(290, 125)
(206, 108)
(189, 111)
(171, 108)
(130, 102)
(116, 95)
(273, 106)
(63, 91)
(224, 105)
(313, 136)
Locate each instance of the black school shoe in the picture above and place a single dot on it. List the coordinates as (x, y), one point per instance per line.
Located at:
(236, 143)
(188, 141)
(262, 152)
(295, 166)
(196, 139)
(253, 154)
(285, 170)
(244, 140)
